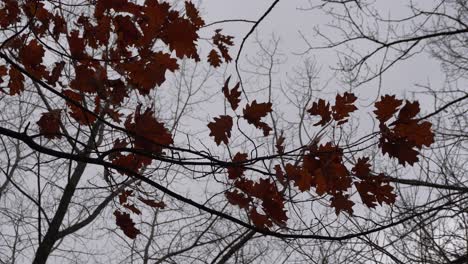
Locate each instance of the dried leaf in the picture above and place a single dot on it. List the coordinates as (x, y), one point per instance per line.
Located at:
(123, 196)
(386, 107)
(342, 203)
(254, 112)
(214, 59)
(16, 83)
(343, 106)
(321, 109)
(126, 224)
(149, 134)
(233, 95)
(280, 144)
(49, 124)
(221, 129)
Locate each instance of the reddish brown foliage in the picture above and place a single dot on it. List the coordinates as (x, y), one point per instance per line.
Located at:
(125, 223)
(254, 112)
(399, 138)
(233, 95)
(49, 124)
(122, 39)
(344, 105)
(16, 83)
(221, 129)
(149, 134)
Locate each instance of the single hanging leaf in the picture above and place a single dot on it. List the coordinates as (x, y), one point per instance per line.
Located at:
(254, 112)
(214, 59)
(399, 139)
(31, 55)
(181, 36)
(302, 179)
(418, 134)
(126, 224)
(344, 105)
(322, 109)
(149, 134)
(400, 149)
(77, 45)
(87, 80)
(49, 124)
(127, 32)
(233, 95)
(375, 190)
(342, 203)
(280, 144)
(60, 26)
(280, 174)
(132, 162)
(386, 107)
(362, 167)
(123, 196)
(16, 83)
(221, 129)
(146, 75)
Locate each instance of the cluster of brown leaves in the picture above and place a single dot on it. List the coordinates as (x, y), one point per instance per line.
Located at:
(125, 35)
(253, 113)
(400, 138)
(344, 105)
(119, 37)
(249, 195)
(322, 167)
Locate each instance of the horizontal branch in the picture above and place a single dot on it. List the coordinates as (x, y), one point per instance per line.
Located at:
(82, 158)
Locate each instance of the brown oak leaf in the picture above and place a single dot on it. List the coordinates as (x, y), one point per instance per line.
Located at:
(233, 95)
(49, 124)
(254, 112)
(221, 129)
(341, 203)
(126, 224)
(343, 106)
(386, 107)
(16, 83)
(214, 59)
(322, 109)
(149, 134)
